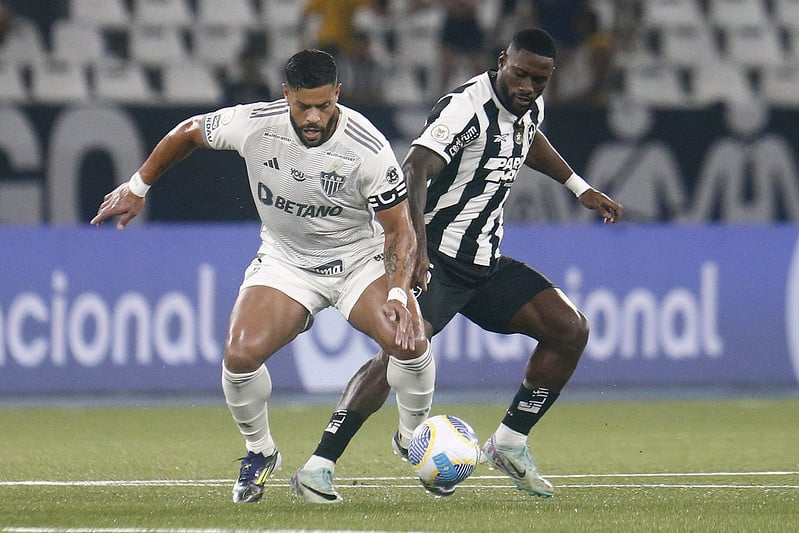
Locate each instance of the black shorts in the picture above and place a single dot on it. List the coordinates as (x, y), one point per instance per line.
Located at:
(488, 296)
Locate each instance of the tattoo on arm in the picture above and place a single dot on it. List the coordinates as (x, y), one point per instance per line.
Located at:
(397, 269)
(392, 260)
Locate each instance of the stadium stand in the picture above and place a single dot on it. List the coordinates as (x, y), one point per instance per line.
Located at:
(59, 82)
(162, 12)
(102, 13)
(12, 86)
(673, 53)
(122, 82)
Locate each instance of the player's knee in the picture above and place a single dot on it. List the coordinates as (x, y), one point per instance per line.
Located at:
(243, 355)
(576, 333)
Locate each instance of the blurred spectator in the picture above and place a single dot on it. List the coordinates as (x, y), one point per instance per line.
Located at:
(250, 83)
(361, 74)
(336, 20)
(584, 76)
(462, 41)
(6, 20)
(513, 16)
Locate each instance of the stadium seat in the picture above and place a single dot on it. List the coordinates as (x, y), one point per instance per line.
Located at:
(122, 82)
(403, 88)
(281, 20)
(217, 45)
(58, 82)
(737, 13)
(779, 84)
(277, 14)
(720, 82)
(687, 45)
(162, 13)
(23, 44)
(189, 83)
(103, 13)
(786, 14)
(78, 42)
(157, 45)
(12, 86)
(654, 85)
(240, 13)
(753, 45)
(666, 13)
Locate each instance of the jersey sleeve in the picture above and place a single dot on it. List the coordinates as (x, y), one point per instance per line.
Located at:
(227, 128)
(384, 181)
(451, 126)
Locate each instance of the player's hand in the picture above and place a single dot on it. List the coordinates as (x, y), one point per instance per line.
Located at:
(610, 210)
(398, 314)
(119, 202)
(421, 270)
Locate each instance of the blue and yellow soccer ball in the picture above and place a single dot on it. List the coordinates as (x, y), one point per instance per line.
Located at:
(443, 451)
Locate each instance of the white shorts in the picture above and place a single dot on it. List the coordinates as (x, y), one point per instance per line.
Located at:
(313, 290)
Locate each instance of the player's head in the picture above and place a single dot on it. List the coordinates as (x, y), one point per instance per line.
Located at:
(312, 90)
(524, 69)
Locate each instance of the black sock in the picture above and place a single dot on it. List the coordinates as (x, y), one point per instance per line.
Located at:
(528, 407)
(342, 427)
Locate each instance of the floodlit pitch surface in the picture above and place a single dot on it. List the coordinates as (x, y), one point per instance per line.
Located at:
(707, 465)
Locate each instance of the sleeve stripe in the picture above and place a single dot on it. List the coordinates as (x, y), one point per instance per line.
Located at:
(371, 146)
(275, 108)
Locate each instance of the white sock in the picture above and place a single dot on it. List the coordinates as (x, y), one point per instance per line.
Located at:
(316, 462)
(246, 395)
(414, 382)
(505, 436)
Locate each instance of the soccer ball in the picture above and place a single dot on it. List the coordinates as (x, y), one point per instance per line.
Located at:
(443, 451)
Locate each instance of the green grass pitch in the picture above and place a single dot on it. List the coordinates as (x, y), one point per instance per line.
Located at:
(699, 465)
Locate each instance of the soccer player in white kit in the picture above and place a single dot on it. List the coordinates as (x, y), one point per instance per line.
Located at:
(336, 231)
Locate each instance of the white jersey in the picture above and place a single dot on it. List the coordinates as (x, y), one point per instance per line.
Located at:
(484, 146)
(317, 205)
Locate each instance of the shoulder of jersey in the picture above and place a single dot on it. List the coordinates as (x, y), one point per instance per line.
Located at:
(364, 134)
(275, 111)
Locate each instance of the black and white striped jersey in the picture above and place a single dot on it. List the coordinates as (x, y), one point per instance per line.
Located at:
(317, 204)
(484, 146)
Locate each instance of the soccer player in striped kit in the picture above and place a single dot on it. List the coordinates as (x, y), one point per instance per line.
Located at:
(459, 172)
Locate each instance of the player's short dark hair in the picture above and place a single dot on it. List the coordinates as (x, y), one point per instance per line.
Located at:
(310, 69)
(535, 40)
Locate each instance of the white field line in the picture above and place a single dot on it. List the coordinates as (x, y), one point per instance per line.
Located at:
(158, 530)
(364, 482)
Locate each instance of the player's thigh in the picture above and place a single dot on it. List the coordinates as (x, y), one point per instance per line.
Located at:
(549, 316)
(263, 320)
(367, 316)
(508, 302)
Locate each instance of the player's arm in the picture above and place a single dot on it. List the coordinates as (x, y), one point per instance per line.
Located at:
(418, 166)
(399, 259)
(127, 200)
(545, 159)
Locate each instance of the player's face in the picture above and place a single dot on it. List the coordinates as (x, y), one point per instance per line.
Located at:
(313, 112)
(521, 78)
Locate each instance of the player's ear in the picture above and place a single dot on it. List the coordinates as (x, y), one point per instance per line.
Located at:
(285, 91)
(503, 56)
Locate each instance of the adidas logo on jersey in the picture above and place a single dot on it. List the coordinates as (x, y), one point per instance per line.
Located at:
(272, 163)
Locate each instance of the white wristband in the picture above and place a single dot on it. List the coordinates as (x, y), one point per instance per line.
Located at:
(137, 185)
(396, 293)
(576, 184)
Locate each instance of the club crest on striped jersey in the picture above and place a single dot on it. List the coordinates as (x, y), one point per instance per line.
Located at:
(332, 182)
